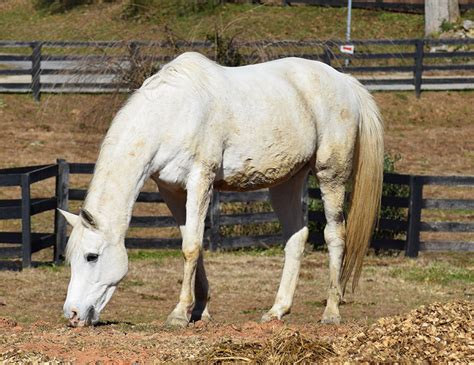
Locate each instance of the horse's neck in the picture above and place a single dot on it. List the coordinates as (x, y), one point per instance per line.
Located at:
(121, 170)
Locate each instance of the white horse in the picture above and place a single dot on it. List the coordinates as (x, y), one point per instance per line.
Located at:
(197, 126)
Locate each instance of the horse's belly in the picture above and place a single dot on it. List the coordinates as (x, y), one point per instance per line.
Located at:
(257, 174)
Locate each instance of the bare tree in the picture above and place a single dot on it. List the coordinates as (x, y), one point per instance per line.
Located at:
(438, 11)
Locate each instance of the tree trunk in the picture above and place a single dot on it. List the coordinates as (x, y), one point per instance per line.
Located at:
(438, 11)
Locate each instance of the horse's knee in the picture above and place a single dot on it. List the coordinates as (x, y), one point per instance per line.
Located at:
(191, 251)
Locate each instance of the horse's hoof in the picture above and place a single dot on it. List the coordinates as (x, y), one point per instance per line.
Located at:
(176, 322)
(331, 320)
(270, 316)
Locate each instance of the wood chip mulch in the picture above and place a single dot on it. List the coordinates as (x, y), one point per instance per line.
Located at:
(437, 332)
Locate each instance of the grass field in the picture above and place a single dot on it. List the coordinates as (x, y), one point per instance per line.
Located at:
(105, 21)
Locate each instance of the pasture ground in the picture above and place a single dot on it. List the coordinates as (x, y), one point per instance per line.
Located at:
(243, 285)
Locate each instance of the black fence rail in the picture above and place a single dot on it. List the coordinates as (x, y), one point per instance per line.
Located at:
(409, 64)
(407, 5)
(408, 226)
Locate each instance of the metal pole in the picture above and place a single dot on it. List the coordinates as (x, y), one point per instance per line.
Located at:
(348, 30)
(349, 15)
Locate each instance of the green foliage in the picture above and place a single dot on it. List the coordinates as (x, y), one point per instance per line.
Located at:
(447, 26)
(438, 273)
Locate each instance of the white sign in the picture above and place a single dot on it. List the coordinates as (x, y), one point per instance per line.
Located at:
(347, 48)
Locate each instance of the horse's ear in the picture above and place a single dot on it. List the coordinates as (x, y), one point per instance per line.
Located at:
(88, 219)
(72, 219)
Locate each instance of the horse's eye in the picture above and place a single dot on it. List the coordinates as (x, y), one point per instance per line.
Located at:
(92, 257)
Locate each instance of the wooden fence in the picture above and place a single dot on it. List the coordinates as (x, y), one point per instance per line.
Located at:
(411, 64)
(396, 5)
(408, 226)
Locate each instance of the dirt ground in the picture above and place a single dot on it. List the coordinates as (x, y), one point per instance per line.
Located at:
(243, 285)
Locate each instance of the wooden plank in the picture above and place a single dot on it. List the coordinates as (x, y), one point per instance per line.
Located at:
(251, 196)
(149, 197)
(447, 180)
(455, 246)
(446, 227)
(42, 242)
(81, 168)
(388, 244)
(251, 241)
(77, 194)
(248, 218)
(132, 242)
(41, 205)
(447, 204)
(153, 221)
(10, 209)
(395, 201)
(10, 179)
(392, 224)
(16, 237)
(14, 58)
(43, 173)
(447, 80)
(15, 72)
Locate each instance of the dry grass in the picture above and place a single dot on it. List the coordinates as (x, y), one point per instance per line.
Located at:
(283, 347)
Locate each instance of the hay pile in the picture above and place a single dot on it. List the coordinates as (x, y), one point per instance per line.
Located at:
(432, 333)
(284, 347)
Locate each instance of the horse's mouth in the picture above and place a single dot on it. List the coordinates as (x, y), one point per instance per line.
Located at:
(89, 320)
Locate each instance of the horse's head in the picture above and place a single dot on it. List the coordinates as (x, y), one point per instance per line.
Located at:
(98, 263)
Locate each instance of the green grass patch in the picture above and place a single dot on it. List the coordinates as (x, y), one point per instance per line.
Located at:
(259, 251)
(438, 273)
(154, 255)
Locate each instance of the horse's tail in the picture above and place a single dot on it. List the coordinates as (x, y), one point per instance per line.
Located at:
(366, 188)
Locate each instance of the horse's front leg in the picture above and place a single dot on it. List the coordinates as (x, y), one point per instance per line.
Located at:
(198, 195)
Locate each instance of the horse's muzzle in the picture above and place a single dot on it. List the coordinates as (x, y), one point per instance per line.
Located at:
(76, 321)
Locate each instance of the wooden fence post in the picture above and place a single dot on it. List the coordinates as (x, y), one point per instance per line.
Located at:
(25, 220)
(214, 241)
(419, 54)
(62, 195)
(36, 70)
(414, 216)
(133, 52)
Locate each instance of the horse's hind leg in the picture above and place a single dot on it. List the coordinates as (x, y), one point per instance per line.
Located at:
(333, 167)
(286, 201)
(176, 202)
